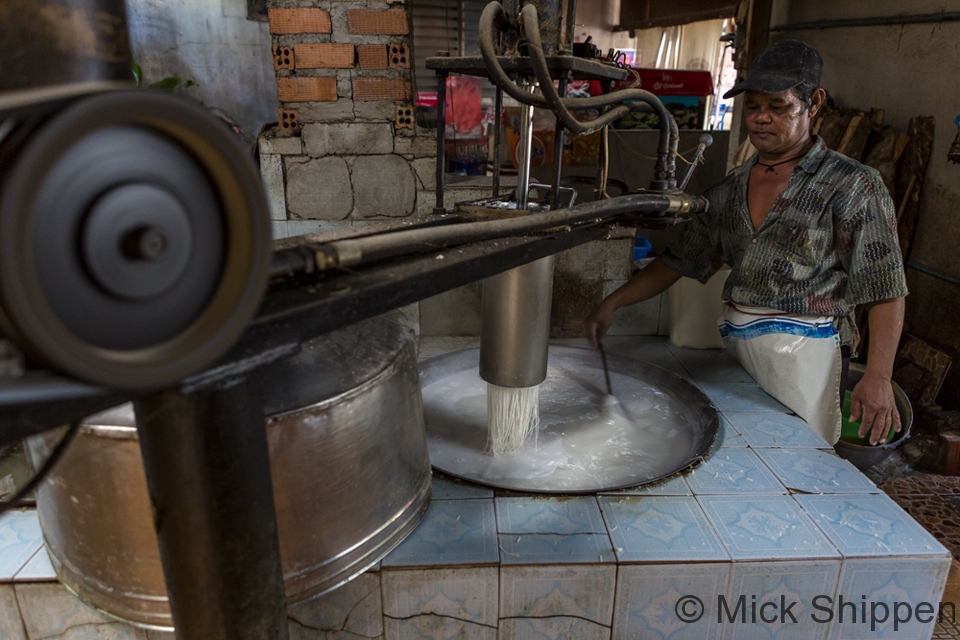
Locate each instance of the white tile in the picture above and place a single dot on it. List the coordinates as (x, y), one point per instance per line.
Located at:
(20, 538)
(652, 598)
(658, 529)
(765, 528)
(885, 581)
(38, 569)
(11, 625)
(864, 525)
(465, 594)
(50, 612)
(430, 627)
(791, 588)
(673, 486)
(353, 608)
(553, 628)
(537, 592)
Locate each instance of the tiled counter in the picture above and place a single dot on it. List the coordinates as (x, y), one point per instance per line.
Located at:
(771, 515)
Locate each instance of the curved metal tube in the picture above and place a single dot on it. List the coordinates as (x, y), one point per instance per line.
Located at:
(669, 134)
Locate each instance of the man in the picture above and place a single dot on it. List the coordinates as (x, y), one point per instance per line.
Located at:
(809, 234)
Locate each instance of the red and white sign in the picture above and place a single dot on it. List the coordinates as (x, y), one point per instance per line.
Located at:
(674, 82)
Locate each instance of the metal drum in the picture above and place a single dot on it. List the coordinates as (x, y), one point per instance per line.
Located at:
(349, 463)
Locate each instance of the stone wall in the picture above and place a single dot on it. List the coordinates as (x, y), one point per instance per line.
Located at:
(345, 149)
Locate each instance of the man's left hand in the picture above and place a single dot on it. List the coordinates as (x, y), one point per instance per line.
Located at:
(873, 397)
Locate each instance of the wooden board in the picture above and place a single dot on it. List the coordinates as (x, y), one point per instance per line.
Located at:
(920, 370)
(834, 126)
(912, 169)
(855, 137)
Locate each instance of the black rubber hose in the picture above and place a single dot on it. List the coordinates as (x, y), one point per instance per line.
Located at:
(360, 251)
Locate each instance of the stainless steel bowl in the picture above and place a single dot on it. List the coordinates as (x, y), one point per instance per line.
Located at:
(864, 456)
(349, 463)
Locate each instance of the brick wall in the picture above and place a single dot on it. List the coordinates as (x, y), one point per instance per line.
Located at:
(345, 149)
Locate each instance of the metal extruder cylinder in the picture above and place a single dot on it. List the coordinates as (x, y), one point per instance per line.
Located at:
(515, 325)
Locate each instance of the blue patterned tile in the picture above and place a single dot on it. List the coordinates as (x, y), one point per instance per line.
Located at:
(579, 548)
(861, 525)
(815, 471)
(38, 569)
(733, 471)
(768, 430)
(712, 365)
(540, 592)
(672, 486)
(444, 489)
(651, 529)
(468, 594)
(20, 538)
(453, 532)
(728, 437)
(11, 625)
(888, 581)
(792, 588)
(353, 610)
(647, 597)
(745, 397)
(555, 627)
(765, 527)
(549, 515)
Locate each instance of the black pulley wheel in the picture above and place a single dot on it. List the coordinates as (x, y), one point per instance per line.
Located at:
(134, 240)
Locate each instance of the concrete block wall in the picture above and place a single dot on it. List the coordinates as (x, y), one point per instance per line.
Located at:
(346, 148)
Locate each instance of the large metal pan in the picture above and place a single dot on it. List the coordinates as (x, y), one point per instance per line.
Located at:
(349, 464)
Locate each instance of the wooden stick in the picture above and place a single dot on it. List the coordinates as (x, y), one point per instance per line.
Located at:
(906, 197)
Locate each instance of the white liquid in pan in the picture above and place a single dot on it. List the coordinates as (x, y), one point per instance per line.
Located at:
(584, 443)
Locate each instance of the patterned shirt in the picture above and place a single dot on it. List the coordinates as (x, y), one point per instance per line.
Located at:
(828, 243)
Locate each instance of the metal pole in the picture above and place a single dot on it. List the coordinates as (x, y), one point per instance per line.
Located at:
(558, 150)
(526, 147)
(498, 125)
(438, 208)
(208, 473)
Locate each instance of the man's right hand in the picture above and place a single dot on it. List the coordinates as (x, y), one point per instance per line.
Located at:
(598, 322)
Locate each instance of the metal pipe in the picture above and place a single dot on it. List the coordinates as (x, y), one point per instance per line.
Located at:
(920, 18)
(525, 150)
(438, 208)
(498, 125)
(558, 149)
(515, 325)
(571, 25)
(354, 252)
(208, 474)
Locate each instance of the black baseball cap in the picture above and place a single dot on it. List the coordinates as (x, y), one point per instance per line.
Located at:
(781, 66)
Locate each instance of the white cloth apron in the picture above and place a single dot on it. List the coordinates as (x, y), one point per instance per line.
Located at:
(796, 359)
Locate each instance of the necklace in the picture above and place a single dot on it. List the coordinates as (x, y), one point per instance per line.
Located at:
(770, 167)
